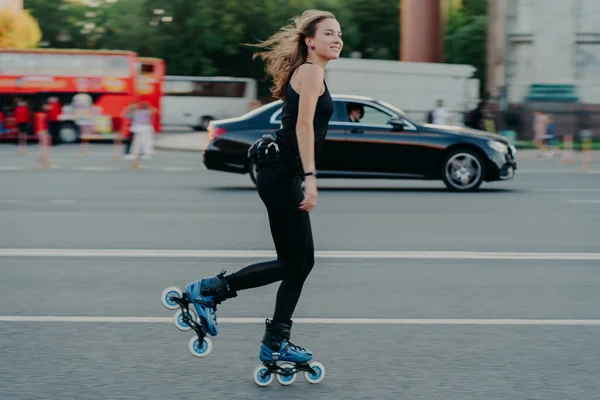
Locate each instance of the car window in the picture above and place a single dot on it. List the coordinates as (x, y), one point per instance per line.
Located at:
(339, 113)
(374, 116)
(370, 115)
(362, 113)
(276, 116)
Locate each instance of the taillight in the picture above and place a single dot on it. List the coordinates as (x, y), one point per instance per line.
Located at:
(219, 132)
(214, 132)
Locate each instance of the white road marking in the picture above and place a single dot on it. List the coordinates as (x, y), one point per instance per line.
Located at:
(175, 169)
(95, 169)
(445, 255)
(105, 169)
(555, 171)
(558, 190)
(318, 321)
(584, 201)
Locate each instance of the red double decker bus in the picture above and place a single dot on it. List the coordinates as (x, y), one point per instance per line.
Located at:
(92, 88)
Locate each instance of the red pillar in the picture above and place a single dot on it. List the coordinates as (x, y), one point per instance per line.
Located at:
(421, 36)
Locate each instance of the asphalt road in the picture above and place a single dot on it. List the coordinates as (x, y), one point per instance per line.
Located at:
(521, 322)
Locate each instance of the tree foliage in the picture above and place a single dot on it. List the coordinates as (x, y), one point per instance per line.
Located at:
(466, 36)
(58, 20)
(18, 29)
(209, 37)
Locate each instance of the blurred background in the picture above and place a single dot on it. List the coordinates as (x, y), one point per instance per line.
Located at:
(518, 56)
(418, 291)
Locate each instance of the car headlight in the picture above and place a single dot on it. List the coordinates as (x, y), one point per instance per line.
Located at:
(498, 146)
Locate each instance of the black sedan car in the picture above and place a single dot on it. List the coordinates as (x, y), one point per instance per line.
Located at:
(384, 143)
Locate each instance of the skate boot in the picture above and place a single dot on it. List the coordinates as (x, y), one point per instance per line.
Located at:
(205, 294)
(276, 347)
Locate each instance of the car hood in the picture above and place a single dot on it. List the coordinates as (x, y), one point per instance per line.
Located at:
(460, 130)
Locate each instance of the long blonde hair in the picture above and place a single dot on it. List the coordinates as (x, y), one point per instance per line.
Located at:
(287, 50)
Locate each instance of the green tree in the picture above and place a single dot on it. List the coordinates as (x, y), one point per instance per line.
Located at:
(119, 25)
(466, 37)
(378, 28)
(209, 37)
(474, 7)
(102, 24)
(58, 21)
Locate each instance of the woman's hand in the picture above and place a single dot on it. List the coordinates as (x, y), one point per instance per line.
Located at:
(310, 194)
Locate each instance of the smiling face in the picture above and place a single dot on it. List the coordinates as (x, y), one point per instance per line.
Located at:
(327, 41)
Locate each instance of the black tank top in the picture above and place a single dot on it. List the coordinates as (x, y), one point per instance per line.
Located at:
(286, 135)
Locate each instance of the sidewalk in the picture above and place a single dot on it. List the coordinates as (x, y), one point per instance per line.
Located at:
(196, 142)
(180, 142)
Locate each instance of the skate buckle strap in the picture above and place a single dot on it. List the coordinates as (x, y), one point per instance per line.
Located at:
(289, 345)
(224, 292)
(207, 303)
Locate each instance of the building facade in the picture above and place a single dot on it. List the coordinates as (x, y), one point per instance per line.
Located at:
(540, 47)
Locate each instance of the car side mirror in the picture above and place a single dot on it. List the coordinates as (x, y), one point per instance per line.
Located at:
(397, 123)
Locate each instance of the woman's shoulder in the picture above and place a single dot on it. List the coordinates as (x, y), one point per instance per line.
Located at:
(309, 71)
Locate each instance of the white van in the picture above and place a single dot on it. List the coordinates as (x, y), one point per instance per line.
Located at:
(196, 100)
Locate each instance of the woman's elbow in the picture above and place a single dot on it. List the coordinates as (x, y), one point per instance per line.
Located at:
(303, 126)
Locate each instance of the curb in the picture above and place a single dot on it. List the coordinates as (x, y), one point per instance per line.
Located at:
(169, 148)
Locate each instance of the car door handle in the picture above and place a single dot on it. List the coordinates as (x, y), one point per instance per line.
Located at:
(356, 131)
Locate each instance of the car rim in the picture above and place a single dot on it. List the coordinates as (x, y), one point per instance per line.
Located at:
(68, 135)
(463, 170)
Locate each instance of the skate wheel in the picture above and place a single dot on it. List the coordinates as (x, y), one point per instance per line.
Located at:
(286, 380)
(180, 323)
(169, 292)
(258, 376)
(200, 350)
(319, 374)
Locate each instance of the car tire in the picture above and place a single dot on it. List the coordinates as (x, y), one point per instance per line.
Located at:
(68, 133)
(463, 170)
(204, 121)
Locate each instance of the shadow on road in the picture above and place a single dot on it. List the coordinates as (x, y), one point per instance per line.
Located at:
(373, 190)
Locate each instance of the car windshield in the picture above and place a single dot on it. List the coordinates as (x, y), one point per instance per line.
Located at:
(261, 109)
(392, 108)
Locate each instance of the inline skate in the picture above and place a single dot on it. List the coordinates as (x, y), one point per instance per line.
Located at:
(276, 347)
(204, 295)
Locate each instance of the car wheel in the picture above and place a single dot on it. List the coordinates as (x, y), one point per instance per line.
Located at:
(463, 170)
(68, 133)
(253, 171)
(204, 121)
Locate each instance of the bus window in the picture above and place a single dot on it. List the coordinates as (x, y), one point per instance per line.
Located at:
(194, 101)
(147, 69)
(205, 89)
(179, 88)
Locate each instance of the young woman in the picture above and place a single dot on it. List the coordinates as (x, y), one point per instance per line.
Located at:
(296, 58)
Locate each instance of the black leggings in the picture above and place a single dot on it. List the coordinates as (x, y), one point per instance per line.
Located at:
(280, 189)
